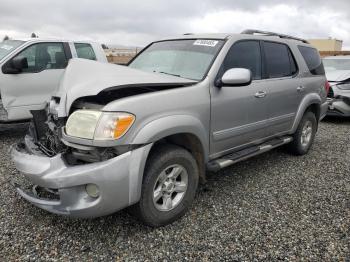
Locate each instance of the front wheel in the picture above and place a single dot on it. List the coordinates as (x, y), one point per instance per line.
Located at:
(304, 137)
(169, 186)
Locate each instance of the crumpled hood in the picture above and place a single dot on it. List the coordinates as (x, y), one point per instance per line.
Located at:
(87, 78)
(338, 75)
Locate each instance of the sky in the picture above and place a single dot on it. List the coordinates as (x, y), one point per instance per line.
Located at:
(136, 23)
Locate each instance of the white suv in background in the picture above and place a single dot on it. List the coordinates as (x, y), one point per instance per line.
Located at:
(31, 70)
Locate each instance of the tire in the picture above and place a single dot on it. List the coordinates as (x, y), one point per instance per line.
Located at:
(302, 139)
(165, 161)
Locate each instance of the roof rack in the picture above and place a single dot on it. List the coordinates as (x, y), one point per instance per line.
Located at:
(253, 31)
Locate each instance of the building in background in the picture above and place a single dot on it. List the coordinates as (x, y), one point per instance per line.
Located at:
(121, 56)
(329, 47)
(329, 44)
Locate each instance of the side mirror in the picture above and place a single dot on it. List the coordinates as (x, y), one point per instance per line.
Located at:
(15, 66)
(236, 77)
(20, 63)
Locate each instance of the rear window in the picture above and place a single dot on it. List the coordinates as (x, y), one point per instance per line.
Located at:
(312, 59)
(279, 60)
(85, 51)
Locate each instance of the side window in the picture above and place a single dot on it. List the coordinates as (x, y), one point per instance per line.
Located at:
(312, 59)
(44, 56)
(244, 54)
(85, 51)
(279, 60)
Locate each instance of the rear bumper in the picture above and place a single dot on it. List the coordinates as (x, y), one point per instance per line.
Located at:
(118, 181)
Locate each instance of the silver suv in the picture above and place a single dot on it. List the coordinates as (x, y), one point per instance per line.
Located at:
(143, 135)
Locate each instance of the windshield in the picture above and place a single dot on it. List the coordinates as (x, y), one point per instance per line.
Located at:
(8, 46)
(183, 58)
(336, 64)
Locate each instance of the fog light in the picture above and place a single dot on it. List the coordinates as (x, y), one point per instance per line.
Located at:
(92, 190)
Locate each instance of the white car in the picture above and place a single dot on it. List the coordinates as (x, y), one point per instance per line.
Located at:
(31, 70)
(338, 74)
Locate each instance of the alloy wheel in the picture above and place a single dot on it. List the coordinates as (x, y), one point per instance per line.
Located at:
(170, 187)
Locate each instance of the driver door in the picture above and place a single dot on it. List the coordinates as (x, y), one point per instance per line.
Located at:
(239, 113)
(33, 86)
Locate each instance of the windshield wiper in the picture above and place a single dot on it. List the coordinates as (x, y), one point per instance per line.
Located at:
(174, 75)
(169, 74)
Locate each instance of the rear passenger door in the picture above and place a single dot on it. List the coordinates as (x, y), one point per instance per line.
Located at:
(283, 97)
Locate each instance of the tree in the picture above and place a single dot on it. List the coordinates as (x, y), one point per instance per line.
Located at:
(34, 35)
(6, 38)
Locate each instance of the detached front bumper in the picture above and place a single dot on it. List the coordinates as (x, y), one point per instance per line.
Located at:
(118, 181)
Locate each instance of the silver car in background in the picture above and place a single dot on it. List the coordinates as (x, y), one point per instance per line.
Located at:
(338, 74)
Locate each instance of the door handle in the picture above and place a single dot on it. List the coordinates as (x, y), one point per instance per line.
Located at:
(260, 94)
(300, 88)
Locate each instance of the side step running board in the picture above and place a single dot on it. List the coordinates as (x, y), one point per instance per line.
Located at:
(238, 156)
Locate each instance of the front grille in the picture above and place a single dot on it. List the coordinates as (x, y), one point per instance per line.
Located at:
(330, 93)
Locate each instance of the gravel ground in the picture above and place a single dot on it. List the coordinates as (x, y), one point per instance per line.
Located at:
(272, 207)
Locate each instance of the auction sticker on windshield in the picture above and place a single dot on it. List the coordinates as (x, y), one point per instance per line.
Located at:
(210, 43)
(6, 47)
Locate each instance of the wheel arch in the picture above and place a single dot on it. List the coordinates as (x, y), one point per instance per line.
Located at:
(191, 143)
(173, 128)
(311, 102)
(184, 131)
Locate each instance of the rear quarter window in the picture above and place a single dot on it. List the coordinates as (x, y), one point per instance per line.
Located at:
(312, 59)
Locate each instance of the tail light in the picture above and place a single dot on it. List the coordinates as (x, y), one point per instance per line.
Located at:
(327, 86)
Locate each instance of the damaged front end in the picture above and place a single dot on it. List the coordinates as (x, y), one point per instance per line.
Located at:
(46, 132)
(71, 179)
(88, 175)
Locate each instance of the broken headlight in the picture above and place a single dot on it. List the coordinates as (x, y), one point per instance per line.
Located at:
(98, 125)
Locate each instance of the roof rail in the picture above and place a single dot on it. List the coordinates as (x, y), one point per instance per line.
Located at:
(253, 31)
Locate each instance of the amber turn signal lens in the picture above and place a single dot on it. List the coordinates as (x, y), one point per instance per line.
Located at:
(122, 124)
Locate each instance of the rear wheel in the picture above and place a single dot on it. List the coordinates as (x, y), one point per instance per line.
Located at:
(304, 137)
(169, 186)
